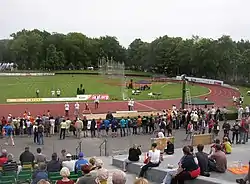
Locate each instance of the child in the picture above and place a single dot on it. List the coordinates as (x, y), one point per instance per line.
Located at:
(226, 146)
(212, 148)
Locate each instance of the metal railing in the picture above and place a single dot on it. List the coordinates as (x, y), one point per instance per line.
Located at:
(104, 143)
(79, 147)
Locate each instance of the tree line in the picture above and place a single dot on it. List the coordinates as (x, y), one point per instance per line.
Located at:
(221, 58)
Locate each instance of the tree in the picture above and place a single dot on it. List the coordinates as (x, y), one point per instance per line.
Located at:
(220, 58)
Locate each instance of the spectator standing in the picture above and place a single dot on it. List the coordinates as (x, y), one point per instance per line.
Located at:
(54, 165)
(63, 127)
(52, 125)
(40, 157)
(8, 129)
(35, 132)
(236, 131)
(226, 127)
(92, 128)
(79, 127)
(40, 134)
(123, 127)
(27, 157)
(85, 127)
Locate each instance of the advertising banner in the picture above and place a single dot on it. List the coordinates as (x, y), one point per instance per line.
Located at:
(27, 74)
(63, 99)
(202, 80)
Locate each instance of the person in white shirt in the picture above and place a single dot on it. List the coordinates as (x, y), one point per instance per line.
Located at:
(52, 126)
(37, 93)
(58, 93)
(132, 104)
(53, 93)
(97, 101)
(247, 110)
(69, 163)
(129, 105)
(77, 109)
(153, 159)
(195, 120)
(66, 108)
(240, 112)
(213, 112)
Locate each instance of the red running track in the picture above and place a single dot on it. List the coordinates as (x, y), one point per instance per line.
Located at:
(222, 96)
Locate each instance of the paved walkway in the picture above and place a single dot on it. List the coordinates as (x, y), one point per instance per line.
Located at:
(90, 146)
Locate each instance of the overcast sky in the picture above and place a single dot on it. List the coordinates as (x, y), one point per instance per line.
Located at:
(129, 19)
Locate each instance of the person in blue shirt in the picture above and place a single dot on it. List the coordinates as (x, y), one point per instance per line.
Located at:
(123, 127)
(8, 129)
(81, 161)
(106, 124)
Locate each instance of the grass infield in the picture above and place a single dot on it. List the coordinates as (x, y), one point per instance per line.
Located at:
(25, 87)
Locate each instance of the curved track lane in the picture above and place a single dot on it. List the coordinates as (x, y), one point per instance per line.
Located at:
(222, 96)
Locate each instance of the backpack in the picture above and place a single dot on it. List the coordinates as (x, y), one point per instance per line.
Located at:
(40, 129)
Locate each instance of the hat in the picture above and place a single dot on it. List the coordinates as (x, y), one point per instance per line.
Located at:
(68, 155)
(81, 154)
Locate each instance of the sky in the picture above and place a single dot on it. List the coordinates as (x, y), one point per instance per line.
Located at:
(129, 19)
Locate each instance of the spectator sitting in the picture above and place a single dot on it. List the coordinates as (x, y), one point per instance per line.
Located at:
(69, 163)
(226, 146)
(218, 160)
(63, 156)
(87, 176)
(40, 173)
(3, 157)
(43, 182)
(92, 163)
(169, 150)
(40, 157)
(188, 169)
(246, 178)
(118, 177)
(153, 159)
(81, 161)
(27, 157)
(191, 149)
(101, 173)
(65, 177)
(202, 160)
(10, 165)
(54, 165)
(133, 156)
(212, 148)
(141, 181)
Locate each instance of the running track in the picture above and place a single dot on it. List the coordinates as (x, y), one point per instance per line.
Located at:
(222, 96)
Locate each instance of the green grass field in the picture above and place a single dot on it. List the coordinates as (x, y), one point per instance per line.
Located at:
(243, 91)
(25, 87)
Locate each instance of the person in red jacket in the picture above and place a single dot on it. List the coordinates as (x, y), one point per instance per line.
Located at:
(3, 157)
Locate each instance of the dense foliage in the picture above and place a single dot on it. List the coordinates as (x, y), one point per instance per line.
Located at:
(222, 58)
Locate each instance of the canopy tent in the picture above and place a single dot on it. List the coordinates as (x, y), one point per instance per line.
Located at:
(198, 101)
